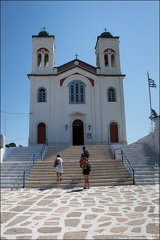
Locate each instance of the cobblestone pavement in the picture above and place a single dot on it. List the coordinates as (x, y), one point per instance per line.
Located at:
(118, 212)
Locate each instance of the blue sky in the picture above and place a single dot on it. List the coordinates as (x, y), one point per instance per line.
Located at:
(76, 26)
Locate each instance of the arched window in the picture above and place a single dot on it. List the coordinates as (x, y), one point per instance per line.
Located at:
(76, 92)
(106, 60)
(111, 95)
(109, 58)
(42, 57)
(41, 95)
(97, 60)
(113, 61)
(46, 59)
(39, 60)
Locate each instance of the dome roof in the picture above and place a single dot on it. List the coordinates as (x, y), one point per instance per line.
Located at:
(106, 35)
(43, 34)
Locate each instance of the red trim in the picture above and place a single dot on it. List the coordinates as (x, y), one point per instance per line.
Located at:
(39, 50)
(90, 79)
(106, 50)
(72, 64)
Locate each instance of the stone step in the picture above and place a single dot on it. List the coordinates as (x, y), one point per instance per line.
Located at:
(76, 168)
(67, 176)
(144, 167)
(14, 163)
(12, 186)
(145, 182)
(70, 171)
(7, 175)
(12, 180)
(73, 185)
(12, 168)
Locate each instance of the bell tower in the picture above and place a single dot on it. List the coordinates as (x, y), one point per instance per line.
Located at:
(43, 53)
(107, 54)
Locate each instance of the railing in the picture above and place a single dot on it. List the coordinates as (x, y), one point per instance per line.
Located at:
(128, 165)
(32, 160)
(29, 164)
(22, 176)
(125, 160)
(43, 150)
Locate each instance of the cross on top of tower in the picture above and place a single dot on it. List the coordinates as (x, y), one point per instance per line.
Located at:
(76, 55)
(44, 29)
(105, 29)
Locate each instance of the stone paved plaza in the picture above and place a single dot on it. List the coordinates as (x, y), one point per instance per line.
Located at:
(118, 212)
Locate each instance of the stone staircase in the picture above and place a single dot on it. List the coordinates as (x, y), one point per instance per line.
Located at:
(144, 162)
(13, 166)
(106, 171)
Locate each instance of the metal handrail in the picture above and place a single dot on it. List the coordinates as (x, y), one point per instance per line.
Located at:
(44, 149)
(126, 162)
(30, 162)
(129, 166)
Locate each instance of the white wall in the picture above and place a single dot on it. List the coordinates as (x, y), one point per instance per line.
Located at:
(153, 139)
(5, 152)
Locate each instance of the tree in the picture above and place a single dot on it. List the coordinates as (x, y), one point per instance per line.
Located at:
(12, 144)
(153, 115)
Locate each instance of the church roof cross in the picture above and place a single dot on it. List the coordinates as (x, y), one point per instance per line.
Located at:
(44, 29)
(76, 55)
(105, 29)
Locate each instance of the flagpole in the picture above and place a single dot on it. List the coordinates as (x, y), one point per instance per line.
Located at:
(151, 112)
(150, 101)
(5, 121)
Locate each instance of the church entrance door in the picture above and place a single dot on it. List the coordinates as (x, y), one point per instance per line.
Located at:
(78, 132)
(113, 132)
(41, 133)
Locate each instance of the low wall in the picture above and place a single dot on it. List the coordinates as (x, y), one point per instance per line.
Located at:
(153, 139)
(5, 152)
(2, 151)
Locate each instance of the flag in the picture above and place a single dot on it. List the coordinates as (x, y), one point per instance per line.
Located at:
(151, 83)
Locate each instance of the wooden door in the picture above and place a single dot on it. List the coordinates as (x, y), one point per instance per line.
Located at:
(78, 132)
(41, 133)
(113, 132)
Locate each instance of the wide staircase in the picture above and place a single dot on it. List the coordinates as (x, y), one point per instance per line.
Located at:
(106, 171)
(13, 166)
(144, 162)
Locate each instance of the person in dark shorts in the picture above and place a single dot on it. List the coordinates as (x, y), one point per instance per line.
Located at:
(86, 172)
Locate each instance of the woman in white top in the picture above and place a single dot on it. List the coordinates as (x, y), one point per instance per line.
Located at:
(59, 167)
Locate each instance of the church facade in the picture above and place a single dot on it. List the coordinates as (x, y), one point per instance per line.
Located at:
(76, 103)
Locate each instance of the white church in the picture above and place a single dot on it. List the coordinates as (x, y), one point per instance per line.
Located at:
(76, 103)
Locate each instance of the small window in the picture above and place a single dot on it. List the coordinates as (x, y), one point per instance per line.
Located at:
(76, 92)
(111, 95)
(41, 95)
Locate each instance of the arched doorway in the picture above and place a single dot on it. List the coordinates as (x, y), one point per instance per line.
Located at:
(41, 133)
(113, 132)
(78, 133)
